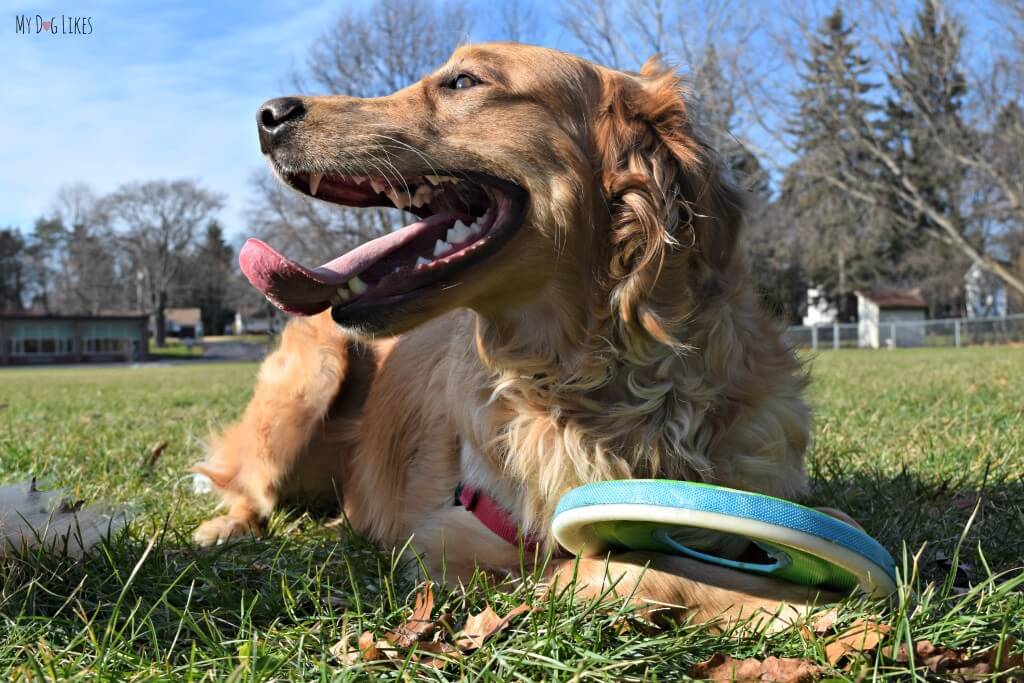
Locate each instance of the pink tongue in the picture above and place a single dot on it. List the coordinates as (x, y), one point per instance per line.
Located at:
(306, 291)
(288, 285)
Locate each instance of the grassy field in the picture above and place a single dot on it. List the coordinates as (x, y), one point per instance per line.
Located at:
(174, 349)
(908, 442)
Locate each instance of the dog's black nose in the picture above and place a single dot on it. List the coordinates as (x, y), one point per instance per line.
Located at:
(274, 117)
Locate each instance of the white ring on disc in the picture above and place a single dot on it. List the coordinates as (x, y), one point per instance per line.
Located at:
(572, 530)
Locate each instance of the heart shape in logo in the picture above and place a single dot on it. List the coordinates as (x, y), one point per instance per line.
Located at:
(46, 26)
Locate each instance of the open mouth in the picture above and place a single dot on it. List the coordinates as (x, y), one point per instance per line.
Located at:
(463, 217)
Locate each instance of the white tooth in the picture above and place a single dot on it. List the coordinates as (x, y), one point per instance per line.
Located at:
(474, 229)
(433, 179)
(340, 296)
(356, 285)
(422, 262)
(400, 198)
(314, 182)
(486, 218)
(441, 247)
(377, 184)
(458, 233)
(423, 195)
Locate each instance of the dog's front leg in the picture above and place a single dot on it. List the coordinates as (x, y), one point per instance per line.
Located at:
(251, 460)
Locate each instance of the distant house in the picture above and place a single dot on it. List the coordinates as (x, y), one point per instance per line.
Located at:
(183, 323)
(819, 310)
(987, 296)
(877, 310)
(27, 338)
(257, 321)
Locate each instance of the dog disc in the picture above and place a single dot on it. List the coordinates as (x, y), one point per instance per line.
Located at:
(757, 533)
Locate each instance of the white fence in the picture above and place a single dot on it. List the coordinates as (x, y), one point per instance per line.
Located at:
(943, 332)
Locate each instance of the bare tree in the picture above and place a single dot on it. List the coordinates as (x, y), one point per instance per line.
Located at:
(707, 40)
(383, 49)
(889, 173)
(368, 54)
(517, 22)
(156, 224)
(307, 229)
(71, 260)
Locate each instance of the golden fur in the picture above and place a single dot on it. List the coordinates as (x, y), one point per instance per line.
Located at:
(616, 335)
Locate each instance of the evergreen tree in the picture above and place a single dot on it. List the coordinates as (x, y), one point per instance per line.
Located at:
(925, 107)
(832, 110)
(12, 280)
(714, 108)
(214, 266)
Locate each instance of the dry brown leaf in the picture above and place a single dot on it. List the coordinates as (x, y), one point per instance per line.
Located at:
(1002, 660)
(428, 653)
(947, 660)
(156, 452)
(417, 627)
(862, 636)
(778, 669)
(942, 660)
(825, 621)
(416, 631)
(479, 627)
(366, 650)
(343, 651)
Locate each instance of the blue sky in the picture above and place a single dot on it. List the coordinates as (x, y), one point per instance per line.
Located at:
(163, 90)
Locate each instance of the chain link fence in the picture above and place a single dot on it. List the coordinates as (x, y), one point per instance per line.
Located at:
(954, 332)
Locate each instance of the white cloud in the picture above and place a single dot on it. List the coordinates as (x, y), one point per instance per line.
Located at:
(150, 94)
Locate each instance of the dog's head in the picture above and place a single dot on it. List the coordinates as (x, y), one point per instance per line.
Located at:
(530, 172)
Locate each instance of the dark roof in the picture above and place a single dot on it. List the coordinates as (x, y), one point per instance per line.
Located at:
(895, 298)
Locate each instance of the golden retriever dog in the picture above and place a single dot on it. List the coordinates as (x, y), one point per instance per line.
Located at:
(570, 306)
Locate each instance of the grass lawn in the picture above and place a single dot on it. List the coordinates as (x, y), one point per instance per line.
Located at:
(174, 349)
(908, 442)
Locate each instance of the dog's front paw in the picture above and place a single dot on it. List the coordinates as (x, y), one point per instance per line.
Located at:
(221, 529)
(841, 516)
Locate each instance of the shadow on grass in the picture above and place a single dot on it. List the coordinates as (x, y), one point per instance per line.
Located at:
(153, 594)
(910, 511)
(149, 584)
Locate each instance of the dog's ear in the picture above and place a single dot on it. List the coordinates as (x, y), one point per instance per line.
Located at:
(675, 219)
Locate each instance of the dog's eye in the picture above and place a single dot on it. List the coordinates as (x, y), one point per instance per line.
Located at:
(463, 81)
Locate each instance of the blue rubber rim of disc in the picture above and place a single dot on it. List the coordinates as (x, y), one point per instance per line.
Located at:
(708, 498)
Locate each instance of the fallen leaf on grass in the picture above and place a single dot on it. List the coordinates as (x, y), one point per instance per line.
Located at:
(417, 627)
(862, 636)
(416, 632)
(156, 452)
(479, 627)
(368, 649)
(428, 653)
(779, 669)
(948, 660)
(825, 621)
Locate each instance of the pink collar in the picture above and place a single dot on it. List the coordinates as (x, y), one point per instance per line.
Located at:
(496, 518)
